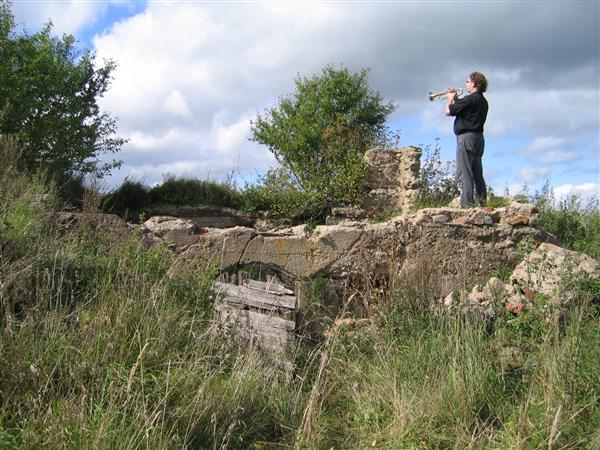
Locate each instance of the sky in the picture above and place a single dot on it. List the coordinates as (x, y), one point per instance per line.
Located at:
(191, 75)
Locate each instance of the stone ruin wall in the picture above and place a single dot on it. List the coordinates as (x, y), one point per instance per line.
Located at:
(392, 186)
(453, 243)
(444, 248)
(393, 178)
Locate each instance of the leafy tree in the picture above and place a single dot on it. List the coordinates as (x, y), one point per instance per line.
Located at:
(320, 132)
(48, 98)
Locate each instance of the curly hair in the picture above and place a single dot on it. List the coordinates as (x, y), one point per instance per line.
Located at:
(479, 80)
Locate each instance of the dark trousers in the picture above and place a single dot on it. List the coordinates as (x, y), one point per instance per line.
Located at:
(469, 150)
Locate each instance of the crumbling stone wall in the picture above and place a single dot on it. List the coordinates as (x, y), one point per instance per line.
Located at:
(455, 244)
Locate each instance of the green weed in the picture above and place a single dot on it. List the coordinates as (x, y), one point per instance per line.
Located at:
(105, 344)
(575, 224)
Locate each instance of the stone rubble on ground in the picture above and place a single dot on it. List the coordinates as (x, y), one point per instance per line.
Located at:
(549, 270)
(554, 271)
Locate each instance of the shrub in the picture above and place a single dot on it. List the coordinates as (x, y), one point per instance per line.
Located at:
(576, 225)
(320, 132)
(71, 190)
(191, 191)
(276, 194)
(49, 91)
(133, 196)
(128, 199)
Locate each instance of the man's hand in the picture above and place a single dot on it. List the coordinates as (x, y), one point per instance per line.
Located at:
(451, 95)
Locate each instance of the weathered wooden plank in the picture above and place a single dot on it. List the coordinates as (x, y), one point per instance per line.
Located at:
(256, 318)
(241, 303)
(280, 339)
(254, 298)
(272, 345)
(270, 287)
(241, 324)
(272, 341)
(273, 311)
(258, 292)
(234, 298)
(260, 332)
(260, 312)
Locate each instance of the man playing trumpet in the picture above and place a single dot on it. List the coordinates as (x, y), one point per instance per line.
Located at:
(470, 113)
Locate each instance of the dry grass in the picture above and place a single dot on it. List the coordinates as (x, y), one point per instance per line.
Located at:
(106, 345)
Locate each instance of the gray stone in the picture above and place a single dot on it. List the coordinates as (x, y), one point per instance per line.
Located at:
(286, 253)
(162, 226)
(440, 218)
(204, 216)
(224, 248)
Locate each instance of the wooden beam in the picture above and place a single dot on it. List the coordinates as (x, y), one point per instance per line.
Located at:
(254, 298)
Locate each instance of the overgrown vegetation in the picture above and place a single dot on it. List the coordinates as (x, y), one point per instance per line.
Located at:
(49, 91)
(577, 225)
(132, 196)
(438, 185)
(277, 194)
(320, 132)
(274, 194)
(107, 345)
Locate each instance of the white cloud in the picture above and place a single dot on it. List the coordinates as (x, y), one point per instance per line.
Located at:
(515, 189)
(191, 75)
(175, 103)
(586, 191)
(531, 174)
(550, 150)
(558, 156)
(67, 16)
(542, 112)
(195, 169)
(229, 138)
(544, 143)
(433, 120)
(147, 142)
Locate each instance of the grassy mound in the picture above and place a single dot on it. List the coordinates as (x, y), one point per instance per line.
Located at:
(107, 345)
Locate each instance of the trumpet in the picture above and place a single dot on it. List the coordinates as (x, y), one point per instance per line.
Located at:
(443, 95)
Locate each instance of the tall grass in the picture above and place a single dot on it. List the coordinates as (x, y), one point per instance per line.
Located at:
(106, 345)
(415, 379)
(128, 200)
(189, 191)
